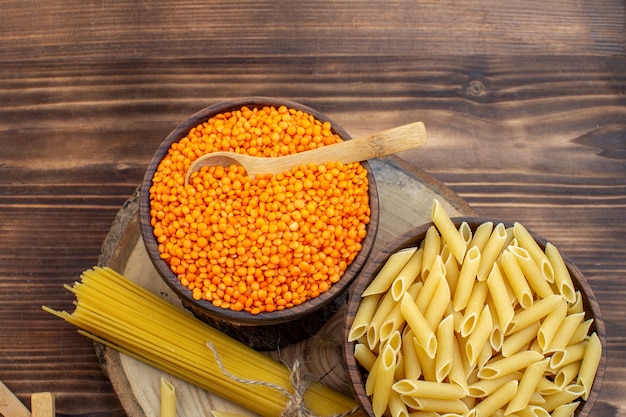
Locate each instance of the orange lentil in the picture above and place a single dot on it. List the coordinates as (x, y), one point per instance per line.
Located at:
(266, 243)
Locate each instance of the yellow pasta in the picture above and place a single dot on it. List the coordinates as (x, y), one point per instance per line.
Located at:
(168, 398)
(531, 271)
(527, 386)
(565, 410)
(384, 380)
(407, 275)
(364, 356)
(418, 324)
(516, 279)
(562, 277)
(526, 241)
(492, 251)
(500, 297)
(467, 278)
(487, 335)
(445, 347)
(384, 308)
(389, 271)
(589, 365)
(363, 316)
(449, 233)
(124, 316)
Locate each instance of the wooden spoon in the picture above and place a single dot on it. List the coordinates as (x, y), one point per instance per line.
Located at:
(379, 144)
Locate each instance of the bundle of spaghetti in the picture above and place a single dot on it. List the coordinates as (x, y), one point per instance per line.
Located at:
(124, 316)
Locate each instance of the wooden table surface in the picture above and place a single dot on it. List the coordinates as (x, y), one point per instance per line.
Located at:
(525, 104)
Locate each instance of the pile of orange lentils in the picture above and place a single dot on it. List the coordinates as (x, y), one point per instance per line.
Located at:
(258, 244)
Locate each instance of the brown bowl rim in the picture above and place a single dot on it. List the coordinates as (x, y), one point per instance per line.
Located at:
(244, 317)
(413, 237)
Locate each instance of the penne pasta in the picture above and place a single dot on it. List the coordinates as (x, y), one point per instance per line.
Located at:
(395, 319)
(569, 394)
(431, 245)
(536, 312)
(514, 275)
(533, 274)
(565, 410)
(526, 241)
(571, 353)
(489, 405)
(589, 365)
(438, 304)
(168, 399)
(383, 381)
(383, 310)
(492, 251)
(428, 389)
(474, 307)
(451, 266)
(431, 283)
(500, 297)
(388, 272)
(527, 386)
(436, 405)
(445, 344)
(466, 233)
(458, 372)
(478, 338)
(581, 332)
(504, 366)
(562, 277)
(566, 374)
(481, 236)
(550, 325)
(449, 233)
(407, 275)
(397, 407)
(515, 342)
(418, 324)
(364, 356)
(467, 278)
(412, 367)
(363, 316)
(566, 331)
(486, 387)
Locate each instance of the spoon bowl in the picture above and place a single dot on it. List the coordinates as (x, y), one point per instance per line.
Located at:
(375, 145)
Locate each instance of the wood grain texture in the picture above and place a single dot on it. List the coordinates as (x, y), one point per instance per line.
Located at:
(524, 105)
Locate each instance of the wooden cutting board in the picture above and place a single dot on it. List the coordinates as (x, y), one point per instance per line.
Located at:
(406, 195)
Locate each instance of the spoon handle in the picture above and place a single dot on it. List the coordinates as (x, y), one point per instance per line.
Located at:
(375, 145)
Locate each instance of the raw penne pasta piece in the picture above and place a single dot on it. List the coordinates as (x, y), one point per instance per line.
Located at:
(364, 356)
(431, 282)
(569, 394)
(363, 316)
(428, 389)
(514, 275)
(562, 277)
(481, 236)
(407, 275)
(548, 387)
(467, 279)
(370, 381)
(449, 233)
(437, 306)
(533, 274)
(431, 246)
(500, 297)
(384, 308)
(489, 405)
(395, 319)
(436, 405)
(526, 241)
(389, 272)
(397, 407)
(395, 342)
(571, 353)
(492, 250)
(577, 306)
(513, 343)
(412, 367)
(445, 347)
(384, 380)
(531, 411)
(504, 366)
(589, 365)
(581, 332)
(476, 304)
(566, 374)
(550, 325)
(427, 364)
(486, 387)
(537, 311)
(168, 398)
(566, 331)
(418, 324)
(527, 386)
(452, 270)
(478, 338)
(466, 232)
(484, 356)
(565, 410)
(496, 337)
(458, 371)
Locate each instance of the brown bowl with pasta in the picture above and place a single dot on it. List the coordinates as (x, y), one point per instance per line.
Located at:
(473, 317)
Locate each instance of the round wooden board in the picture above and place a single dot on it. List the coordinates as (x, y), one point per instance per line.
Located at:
(406, 195)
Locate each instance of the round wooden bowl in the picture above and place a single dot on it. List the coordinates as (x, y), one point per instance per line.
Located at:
(267, 330)
(413, 238)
